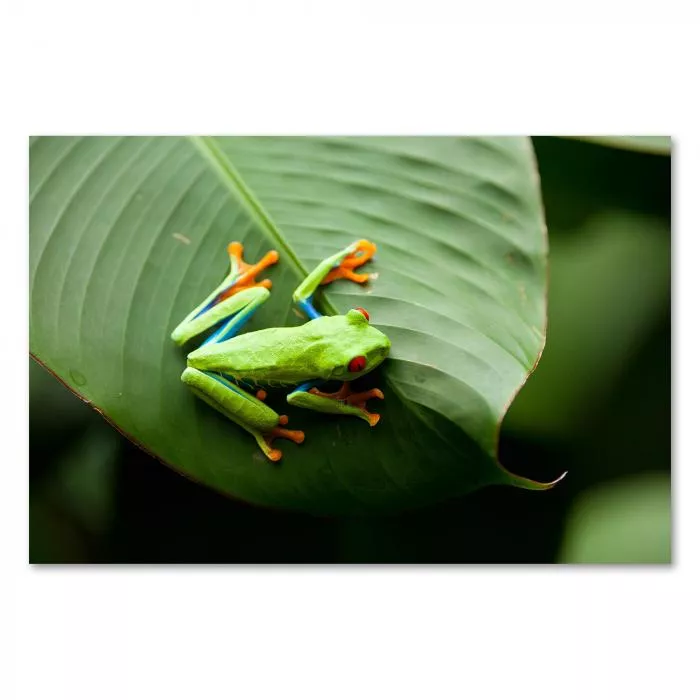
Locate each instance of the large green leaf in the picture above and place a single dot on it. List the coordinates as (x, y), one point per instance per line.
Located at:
(128, 234)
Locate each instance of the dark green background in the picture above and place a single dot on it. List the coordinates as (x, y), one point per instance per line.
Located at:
(599, 406)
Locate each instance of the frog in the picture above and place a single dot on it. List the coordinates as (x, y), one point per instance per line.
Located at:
(231, 371)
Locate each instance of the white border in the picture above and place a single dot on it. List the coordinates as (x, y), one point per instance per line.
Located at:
(399, 68)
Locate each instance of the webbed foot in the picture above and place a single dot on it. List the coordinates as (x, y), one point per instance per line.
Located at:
(345, 269)
(247, 272)
(356, 400)
(265, 443)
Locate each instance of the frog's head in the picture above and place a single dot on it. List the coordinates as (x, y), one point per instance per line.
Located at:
(357, 347)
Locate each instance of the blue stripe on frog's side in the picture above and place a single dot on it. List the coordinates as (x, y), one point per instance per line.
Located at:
(308, 385)
(216, 299)
(233, 328)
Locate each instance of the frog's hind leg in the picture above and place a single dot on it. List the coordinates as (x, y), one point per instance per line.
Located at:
(242, 408)
(342, 265)
(230, 315)
(217, 306)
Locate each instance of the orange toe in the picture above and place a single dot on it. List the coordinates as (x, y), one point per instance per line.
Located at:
(296, 436)
(293, 435)
(373, 419)
(236, 250)
(247, 272)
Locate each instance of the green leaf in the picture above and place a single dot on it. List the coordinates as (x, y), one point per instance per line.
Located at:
(624, 522)
(127, 235)
(649, 144)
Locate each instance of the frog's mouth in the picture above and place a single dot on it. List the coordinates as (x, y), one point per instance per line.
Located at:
(376, 357)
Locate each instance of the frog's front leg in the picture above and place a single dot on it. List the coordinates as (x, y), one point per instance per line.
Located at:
(238, 405)
(342, 265)
(342, 401)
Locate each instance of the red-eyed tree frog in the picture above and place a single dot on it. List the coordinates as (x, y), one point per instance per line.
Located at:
(325, 348)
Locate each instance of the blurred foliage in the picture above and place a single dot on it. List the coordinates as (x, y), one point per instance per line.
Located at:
(72, 475)
(650, 144)
(626, 521)
(592, 302)
(599, 406)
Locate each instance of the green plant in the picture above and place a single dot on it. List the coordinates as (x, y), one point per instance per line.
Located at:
(126, 234)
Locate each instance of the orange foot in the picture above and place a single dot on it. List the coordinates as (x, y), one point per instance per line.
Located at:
(294, 435)
(359, 400)
(246, 272)
(345, 269)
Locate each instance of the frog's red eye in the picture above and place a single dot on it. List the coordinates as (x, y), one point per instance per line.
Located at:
(357, 364)
(362, 311)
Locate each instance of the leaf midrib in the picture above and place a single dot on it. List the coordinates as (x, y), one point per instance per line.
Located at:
(234, 181)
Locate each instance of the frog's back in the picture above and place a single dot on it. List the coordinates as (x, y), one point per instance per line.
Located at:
(272, 355)
(323, 348)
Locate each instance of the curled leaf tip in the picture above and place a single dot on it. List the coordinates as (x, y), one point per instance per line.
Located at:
(530, 484)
